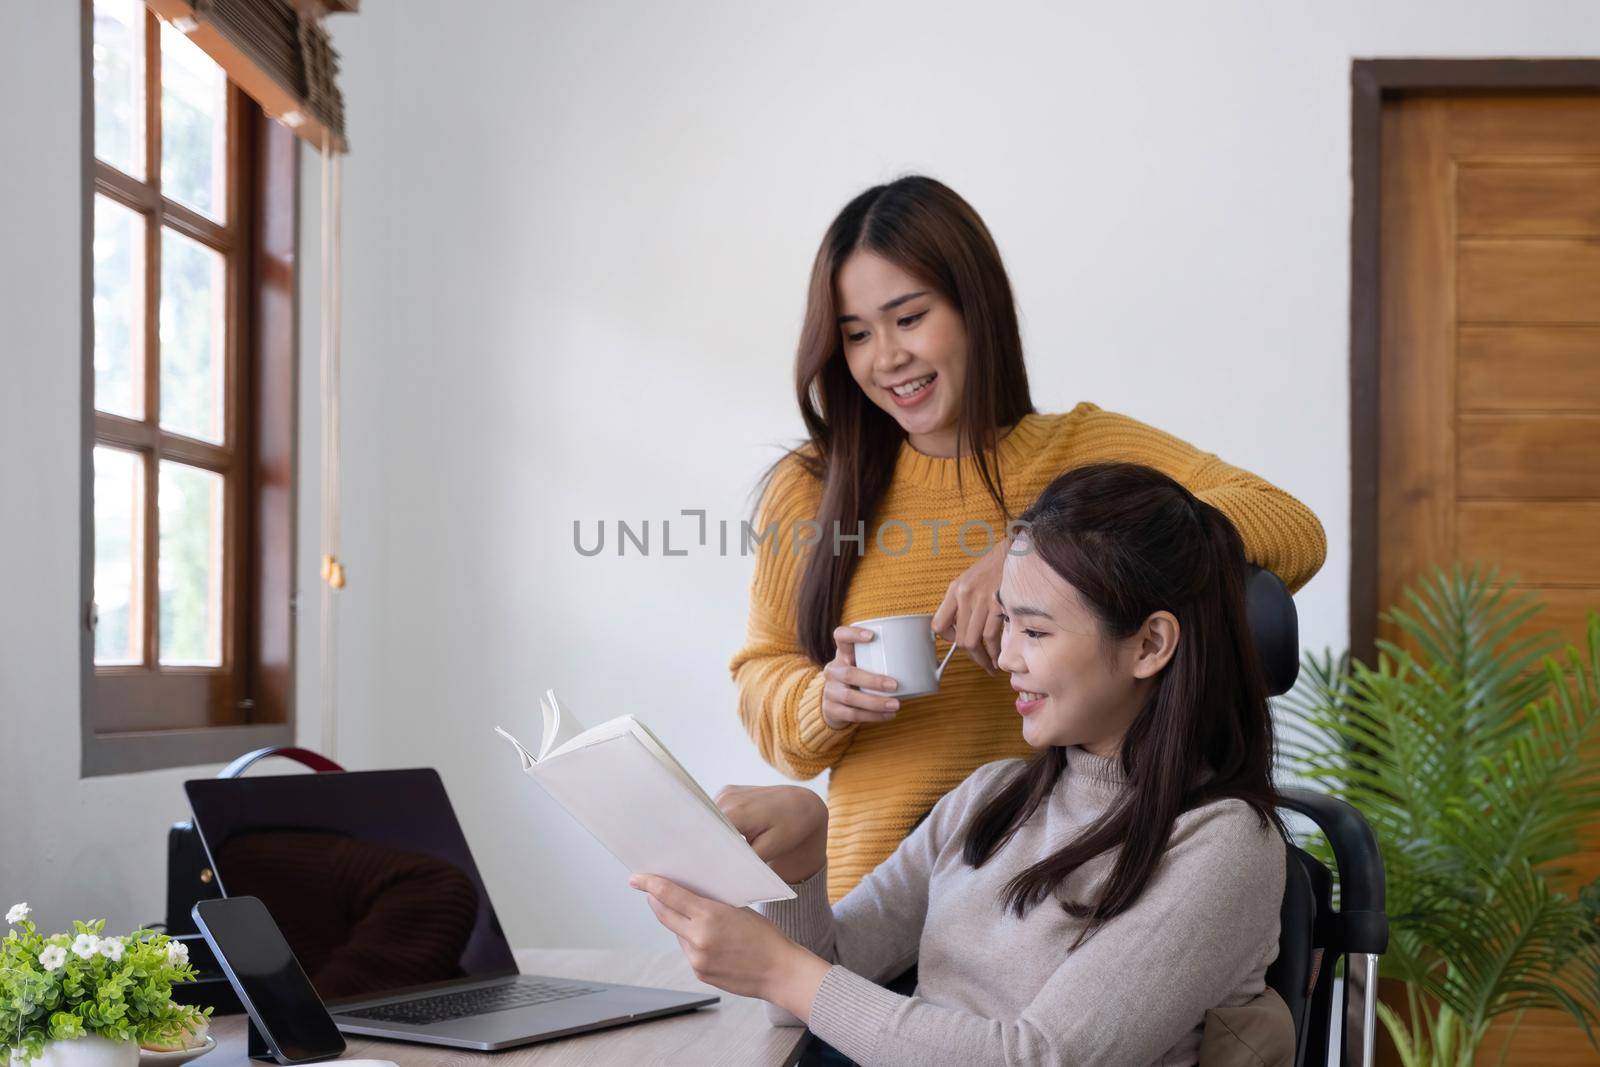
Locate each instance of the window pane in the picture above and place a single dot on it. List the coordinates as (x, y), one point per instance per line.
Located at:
(194, 126)
(193, 335)
(118, 308)
(118, 556)
(190, 565)
(119, 84)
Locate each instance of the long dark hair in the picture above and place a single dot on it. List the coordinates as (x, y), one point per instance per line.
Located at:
(1132, 541)
(923, 227)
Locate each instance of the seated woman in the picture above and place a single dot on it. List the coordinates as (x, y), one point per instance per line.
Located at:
(1087, 905)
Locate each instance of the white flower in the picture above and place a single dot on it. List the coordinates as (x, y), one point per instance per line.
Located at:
(18, 912)
(177, 953)
(111, 949)
(52, 958)
(85, 945)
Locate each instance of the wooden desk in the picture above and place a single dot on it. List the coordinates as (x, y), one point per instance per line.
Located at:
(733, 1031)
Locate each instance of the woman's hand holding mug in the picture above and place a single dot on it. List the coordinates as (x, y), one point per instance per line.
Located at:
(843, 702)
(787, 825)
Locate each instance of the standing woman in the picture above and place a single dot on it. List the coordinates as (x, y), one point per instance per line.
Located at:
(924, 444)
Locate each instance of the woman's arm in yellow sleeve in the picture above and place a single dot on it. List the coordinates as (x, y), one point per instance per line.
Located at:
(1279, 533)
(780, 688)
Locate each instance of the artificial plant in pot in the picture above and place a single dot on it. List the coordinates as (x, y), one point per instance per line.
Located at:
(84, 999)
(1473, 749)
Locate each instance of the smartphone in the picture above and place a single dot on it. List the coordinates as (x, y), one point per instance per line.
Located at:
(292, 1023)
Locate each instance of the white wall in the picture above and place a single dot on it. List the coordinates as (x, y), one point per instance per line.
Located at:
(576, 247)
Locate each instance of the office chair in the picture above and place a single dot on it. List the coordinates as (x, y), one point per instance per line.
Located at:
(1313, 934)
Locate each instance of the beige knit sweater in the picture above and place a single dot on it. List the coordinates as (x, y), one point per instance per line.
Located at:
(995, 989)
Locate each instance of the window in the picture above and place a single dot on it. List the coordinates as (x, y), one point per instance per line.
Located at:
(189, 420)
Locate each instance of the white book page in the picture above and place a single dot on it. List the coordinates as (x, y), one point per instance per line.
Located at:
(560, 727)
(620, 782)
(637, 807)
(650, 742)
(562, 731)
(628, 725)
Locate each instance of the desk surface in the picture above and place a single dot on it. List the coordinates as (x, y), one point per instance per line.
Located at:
(733, 1031)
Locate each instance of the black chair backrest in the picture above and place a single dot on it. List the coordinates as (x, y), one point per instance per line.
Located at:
(1275, 625)
(1293, 974)
(1312, 934)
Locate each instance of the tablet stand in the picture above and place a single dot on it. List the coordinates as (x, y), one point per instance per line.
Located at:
(257, 1048)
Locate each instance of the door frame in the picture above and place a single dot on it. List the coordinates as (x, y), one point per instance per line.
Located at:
(1372, 82)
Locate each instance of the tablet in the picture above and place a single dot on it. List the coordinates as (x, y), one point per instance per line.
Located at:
(289, 1022)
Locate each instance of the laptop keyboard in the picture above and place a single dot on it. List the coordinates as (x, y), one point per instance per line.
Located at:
(447, 1006)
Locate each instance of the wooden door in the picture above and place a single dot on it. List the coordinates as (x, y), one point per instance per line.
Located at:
(1488, 392)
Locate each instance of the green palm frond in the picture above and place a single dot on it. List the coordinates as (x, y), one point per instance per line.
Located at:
(1524, 946)
(1469, 749)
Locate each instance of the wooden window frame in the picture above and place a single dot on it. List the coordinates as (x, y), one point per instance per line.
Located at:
(148, 716)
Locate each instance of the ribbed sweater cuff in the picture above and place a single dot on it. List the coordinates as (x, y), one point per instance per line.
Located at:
(852, 1014)
(807, 920)
(816, 736)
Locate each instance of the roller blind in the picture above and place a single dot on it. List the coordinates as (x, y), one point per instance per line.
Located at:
(277, 51)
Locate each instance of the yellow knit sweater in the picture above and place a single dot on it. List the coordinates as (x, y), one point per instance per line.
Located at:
(886, 775)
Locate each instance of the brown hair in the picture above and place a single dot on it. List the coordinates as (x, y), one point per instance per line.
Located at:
(926, 229)
(1132, 541)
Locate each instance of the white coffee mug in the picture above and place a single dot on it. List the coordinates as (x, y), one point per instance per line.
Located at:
(902, 648)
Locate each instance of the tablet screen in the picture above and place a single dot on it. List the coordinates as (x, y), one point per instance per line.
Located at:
(270, 982)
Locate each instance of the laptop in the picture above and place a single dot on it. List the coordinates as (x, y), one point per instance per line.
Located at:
(369, 877)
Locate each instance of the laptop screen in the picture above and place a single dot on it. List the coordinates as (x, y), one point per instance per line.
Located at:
(366, 872)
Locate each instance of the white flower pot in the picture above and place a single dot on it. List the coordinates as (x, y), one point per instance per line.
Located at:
(89, 1051)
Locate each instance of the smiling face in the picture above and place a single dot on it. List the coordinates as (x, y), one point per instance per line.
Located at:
(1075, 685)
(898, 332)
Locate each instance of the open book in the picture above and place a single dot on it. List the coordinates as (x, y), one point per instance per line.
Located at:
(626, 789)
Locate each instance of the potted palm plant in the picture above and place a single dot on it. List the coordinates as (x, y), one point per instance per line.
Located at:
(1471, 748)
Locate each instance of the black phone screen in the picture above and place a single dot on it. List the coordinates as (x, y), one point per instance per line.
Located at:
(269, 980)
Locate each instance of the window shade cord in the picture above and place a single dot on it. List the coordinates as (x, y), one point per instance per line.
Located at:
(333, 576)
